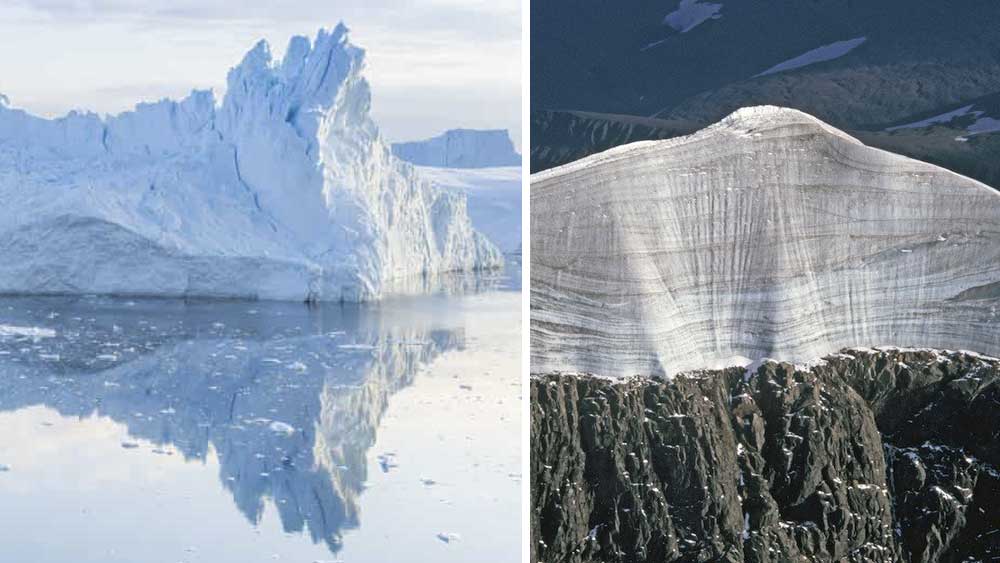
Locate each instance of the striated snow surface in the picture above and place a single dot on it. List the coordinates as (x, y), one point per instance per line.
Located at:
(461, 148)
(285, 190)
(494, 196)
(769, 234)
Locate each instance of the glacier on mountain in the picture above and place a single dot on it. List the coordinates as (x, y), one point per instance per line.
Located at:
(285, 190)
(769, 234)
(461, 148)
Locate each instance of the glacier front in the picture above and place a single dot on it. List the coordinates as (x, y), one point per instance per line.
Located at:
(285, 190)
(769, 234)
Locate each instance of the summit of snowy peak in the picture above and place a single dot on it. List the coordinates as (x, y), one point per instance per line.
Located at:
(750, 118)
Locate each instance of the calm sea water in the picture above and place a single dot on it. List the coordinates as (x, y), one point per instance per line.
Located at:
(165, 431)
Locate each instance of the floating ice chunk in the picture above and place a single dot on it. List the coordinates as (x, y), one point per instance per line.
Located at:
(387, 461)
(298, 366)
(448, 537)
(281, 427)
(29, 331)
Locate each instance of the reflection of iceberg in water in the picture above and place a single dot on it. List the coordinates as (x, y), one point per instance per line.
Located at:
(287, 397)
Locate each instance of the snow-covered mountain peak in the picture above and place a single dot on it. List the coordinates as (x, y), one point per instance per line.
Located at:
(756, 119)
(750, 123)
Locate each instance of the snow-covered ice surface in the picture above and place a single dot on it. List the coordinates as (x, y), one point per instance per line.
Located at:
(461, 148)
(494, 200)
(285, 190)
(818, 55)
(235, 431)
(769, 234)
(690, 14)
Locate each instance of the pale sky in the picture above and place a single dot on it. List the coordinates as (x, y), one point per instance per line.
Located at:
(433, 64)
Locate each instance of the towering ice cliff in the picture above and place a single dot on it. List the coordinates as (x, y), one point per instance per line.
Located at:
(284, 191)
(461, 148)
(769, 234)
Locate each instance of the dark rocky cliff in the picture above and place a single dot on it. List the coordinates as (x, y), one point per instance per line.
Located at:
(870, 455)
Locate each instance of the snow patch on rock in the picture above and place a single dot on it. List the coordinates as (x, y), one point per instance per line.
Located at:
(982, 124)
(821, 54)
(945, 117)
(692, 13)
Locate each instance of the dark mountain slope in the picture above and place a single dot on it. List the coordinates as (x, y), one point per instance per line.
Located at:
(909, 60)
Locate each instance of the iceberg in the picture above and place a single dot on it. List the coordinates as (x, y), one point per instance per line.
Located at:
(284, 190)
(461, 148)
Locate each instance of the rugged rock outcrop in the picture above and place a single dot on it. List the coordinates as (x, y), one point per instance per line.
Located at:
(769, 234)
(868, 455)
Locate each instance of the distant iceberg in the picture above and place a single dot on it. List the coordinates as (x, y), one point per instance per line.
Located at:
(461, 148)
(285, 190)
